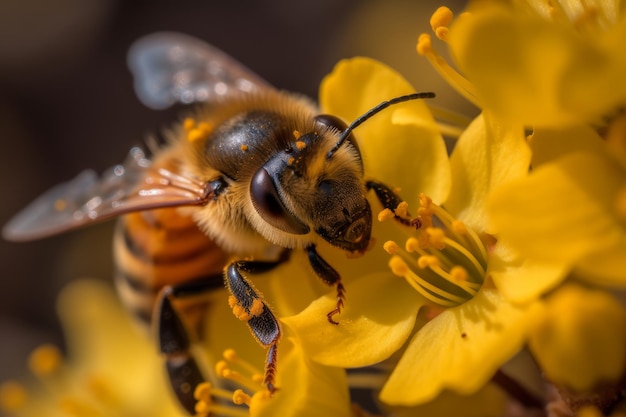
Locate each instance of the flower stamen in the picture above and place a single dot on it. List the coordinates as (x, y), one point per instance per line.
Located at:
(449, 74)
(247, 377)
(444, 263)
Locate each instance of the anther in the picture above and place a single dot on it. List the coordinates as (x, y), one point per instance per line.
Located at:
(459, 274)
(45, 360)
(440, 20)
(13, 396)
(458, 227)
(391, 247)
(240, 397)
(428, 261)
(412, 245)
(402, 210)
(424, 44)
(385, 214)
(436, 237)
(398, 266)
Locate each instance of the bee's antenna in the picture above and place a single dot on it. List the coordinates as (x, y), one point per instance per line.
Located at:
(372, 112)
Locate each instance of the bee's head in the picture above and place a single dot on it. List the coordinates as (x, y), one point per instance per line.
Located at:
(300, 190)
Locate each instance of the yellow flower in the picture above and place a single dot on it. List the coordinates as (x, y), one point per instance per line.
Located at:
(543, 63)
(557, 69)
(463, 346)
(113, 368)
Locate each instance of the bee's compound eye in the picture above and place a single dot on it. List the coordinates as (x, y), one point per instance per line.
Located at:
(269, 205)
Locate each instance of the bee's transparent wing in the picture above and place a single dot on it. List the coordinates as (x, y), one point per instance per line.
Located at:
(131, 186)
(174, 68)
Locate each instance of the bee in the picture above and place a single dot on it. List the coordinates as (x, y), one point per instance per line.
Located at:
(253, 174)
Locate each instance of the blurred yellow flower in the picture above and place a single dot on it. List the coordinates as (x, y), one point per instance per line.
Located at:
(543, 63)
(113, 368)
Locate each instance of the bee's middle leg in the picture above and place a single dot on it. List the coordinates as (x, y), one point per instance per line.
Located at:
(248, 306)
(330, 276)
(174, 341)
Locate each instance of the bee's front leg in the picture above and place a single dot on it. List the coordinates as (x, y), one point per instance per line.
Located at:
(330, 276)
(248, 306)
(390, 200)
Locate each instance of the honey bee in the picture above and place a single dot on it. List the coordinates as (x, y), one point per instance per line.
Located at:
(251, 175)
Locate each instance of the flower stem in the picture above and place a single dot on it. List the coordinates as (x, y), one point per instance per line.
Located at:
(517, 390)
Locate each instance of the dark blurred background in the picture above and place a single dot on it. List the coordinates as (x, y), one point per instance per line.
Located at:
(67, 104)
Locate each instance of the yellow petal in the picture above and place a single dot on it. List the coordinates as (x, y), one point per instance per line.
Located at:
(562, 211)
(460, 349)
(306, 388)
(379, 314)
(489, 401)
(108, 350)
(581, 340)
(548, 144)
(529, 70)
(401, 145)
(487, 154)
(607, 267)
(521, 280)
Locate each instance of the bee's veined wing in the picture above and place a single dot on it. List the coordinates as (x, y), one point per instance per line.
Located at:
(131, 186)
(171, 67)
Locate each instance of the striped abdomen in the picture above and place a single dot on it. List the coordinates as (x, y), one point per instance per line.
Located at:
(162, 247)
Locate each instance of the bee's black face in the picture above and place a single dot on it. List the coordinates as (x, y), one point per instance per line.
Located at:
(351, 231)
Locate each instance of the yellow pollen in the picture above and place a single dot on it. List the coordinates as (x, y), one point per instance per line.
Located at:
(60, 204)
(300, 145)
(244, 147)
(194, 135)
(13, 396)
(189, 124)
(459, 227)
(296, 134)
(412, 245)
(385, 214)
(398, 266)
(424, 44)
(256, 308)
(230, 355)
(241, 313)
(45, 360)
(440, 20)
(459, 274)
(199, 132)
(240, 397)
(221, 367)
(402, 210)
(437, 237)
(203, 392)
(391, 247)
(425, 201)
(426, 261)
(290, 160)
